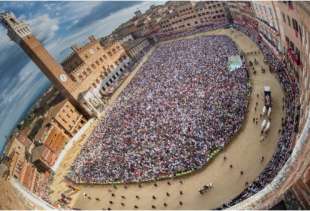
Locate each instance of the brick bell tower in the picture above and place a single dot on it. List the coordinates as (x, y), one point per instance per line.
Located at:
(19, 32)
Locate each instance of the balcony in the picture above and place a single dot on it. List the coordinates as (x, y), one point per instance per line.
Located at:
(293, 56)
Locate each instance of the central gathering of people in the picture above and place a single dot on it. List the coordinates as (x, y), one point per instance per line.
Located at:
(183, 104)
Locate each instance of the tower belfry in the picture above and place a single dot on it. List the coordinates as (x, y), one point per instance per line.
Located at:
(20, 32)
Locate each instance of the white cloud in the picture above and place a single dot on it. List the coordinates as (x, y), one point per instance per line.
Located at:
(77, 10)
(4, 39)
(101, 27)
(44, 27)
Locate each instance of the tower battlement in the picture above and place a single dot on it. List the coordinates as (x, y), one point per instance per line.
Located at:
(20, 32)
(17, 29)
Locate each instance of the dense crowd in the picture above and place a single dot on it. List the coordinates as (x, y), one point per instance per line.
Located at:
(284, 148)
(182, 105)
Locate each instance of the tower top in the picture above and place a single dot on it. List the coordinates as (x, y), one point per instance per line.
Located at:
(17, 29)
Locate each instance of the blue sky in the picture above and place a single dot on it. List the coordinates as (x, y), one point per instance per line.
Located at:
(58, 25)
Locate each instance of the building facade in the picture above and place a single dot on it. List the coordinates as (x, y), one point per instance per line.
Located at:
(136, 48)
(294, 28)
(268, 26)
(65, 118)
(242, 13)
(183, 16)
(95, 66)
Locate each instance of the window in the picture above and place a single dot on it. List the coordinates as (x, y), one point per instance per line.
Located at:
(270, 11)
(288, 20)
(297, 52)
(300, 32)
(290, 4)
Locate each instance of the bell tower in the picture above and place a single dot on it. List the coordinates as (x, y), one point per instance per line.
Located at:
(20, 32)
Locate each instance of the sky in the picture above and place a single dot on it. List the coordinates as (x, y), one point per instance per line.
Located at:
(58, 25)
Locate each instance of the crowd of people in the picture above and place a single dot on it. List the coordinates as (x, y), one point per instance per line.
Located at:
(284, 148)
(183, 104)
